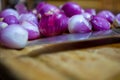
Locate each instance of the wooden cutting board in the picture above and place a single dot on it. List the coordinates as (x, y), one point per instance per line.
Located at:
(95, 63)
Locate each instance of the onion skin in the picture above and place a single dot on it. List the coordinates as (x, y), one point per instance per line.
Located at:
(107, 15)
(32, 29)
(53, 24)
(21, 8)
(14, 36)
(100, 23)
(48, 8)
(9, 11)
(78, 24)
(71, 8)
(10, 19)
(40, 5)
(28, 17)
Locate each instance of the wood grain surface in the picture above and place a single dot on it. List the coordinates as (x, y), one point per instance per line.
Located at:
(95, 63)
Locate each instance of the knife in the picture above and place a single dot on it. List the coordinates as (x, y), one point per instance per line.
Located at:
(74, 41)
(112, 35)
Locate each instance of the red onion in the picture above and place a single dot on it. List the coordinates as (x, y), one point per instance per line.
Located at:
(53, 24)
(9, 11)
(71, 8)
(90, 11)
(100, 23)
(14, 36)
(10, 19)
(78, 24)
(32, 29)
(28, 17)
(48, 8)
(40, 5)
(107, 15)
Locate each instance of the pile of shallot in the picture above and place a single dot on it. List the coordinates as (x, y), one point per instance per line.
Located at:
(20, 25)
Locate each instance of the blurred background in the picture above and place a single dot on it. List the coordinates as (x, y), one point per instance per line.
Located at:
(113, 5)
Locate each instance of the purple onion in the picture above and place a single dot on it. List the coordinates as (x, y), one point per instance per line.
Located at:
(107, 15)
(71, 8)
(78, 24)
(9, 11)
(10, 19)
(53, 24)
(100, 23)
(14, 36)
(48, 8)
(28, 17)
(40, 5)
(90, 11)
(32, 29)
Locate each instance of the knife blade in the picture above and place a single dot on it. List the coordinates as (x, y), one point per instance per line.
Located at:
(74, 41)
(67, 38)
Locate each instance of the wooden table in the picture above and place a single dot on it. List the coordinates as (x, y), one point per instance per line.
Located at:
(95, 63)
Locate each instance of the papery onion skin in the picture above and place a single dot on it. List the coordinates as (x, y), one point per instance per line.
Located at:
(107, 15)
(14, 36)
(10, 19)
(100, 23)
(53, 24)
(71, 8)
(78, 24)
(9, 11)
(32, 29)
(28, 17)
